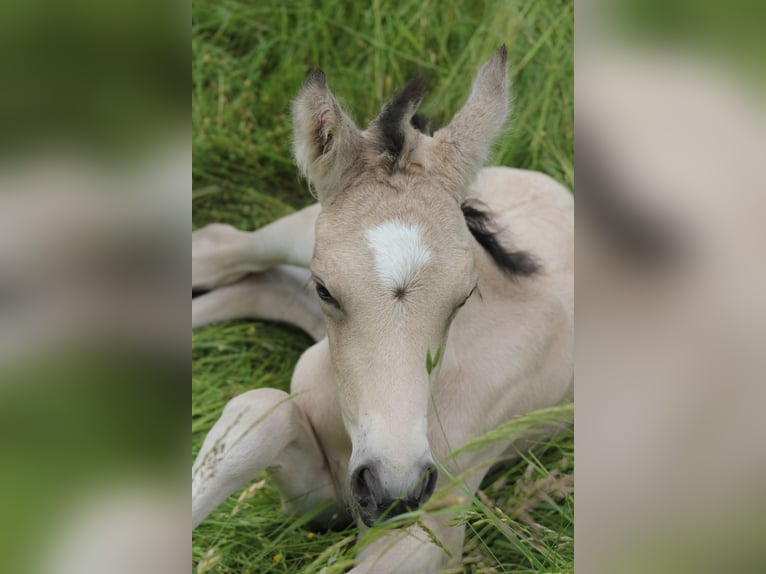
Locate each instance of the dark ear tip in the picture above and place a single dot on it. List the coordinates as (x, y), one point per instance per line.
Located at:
(503, 52)
(419, 87)
(316, 78)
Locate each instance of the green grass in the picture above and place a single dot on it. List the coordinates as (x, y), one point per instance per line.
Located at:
(248, 61)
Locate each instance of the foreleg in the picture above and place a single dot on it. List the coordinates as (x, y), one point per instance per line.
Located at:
(259, 430)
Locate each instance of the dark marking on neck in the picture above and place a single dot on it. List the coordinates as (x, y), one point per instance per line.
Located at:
(511, 262)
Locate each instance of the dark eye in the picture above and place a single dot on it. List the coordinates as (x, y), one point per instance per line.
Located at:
(466, 299)
(325, 296)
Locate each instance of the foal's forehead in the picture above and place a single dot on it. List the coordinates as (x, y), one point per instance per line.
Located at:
(384, 218)
(399, 240)
(402, 223)
(400, 253)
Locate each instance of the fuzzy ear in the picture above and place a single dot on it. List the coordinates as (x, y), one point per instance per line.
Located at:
(326, 141)
(466, 141)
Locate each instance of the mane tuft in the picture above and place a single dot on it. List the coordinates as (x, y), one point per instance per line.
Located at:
(511, 262)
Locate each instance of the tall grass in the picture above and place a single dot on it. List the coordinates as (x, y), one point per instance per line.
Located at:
(248, 61)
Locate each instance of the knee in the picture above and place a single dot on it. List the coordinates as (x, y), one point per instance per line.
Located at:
(259, 410)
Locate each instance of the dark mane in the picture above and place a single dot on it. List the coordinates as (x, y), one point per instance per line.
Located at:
(512, 263)
(422, 124)
(390, 119)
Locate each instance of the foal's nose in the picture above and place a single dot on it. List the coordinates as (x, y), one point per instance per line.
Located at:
(377, 499)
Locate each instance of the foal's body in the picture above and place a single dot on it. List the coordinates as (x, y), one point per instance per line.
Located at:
(508, 351)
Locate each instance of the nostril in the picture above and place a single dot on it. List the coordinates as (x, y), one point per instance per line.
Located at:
(375, 501)
(428, 479)
(363, 486)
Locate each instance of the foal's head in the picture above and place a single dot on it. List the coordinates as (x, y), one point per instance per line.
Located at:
(393, 263)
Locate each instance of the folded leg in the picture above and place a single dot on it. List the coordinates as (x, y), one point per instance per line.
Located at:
(413, 550)
(259, 430)
(222, 254)
(280, 294)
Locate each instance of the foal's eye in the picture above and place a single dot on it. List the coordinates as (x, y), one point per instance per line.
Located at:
(325, 295)
(463, 302)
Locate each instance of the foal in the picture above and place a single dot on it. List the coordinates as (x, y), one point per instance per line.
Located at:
(441, 322)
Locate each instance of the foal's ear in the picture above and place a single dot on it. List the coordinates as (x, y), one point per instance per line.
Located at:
(326, 141)
(466, 141)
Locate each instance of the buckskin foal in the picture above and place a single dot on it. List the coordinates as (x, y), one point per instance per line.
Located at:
(443, 306)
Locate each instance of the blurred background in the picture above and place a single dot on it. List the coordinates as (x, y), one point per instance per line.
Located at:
(94, 269)
(670, 281)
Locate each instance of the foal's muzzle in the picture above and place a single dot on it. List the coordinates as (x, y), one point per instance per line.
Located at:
(376, 501)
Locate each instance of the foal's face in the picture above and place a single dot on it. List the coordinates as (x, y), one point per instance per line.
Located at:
(391, 271)
(392, 265)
